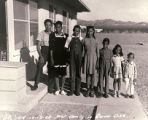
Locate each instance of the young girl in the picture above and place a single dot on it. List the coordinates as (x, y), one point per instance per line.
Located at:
(130, 75)
(104, 68)
(91, 53)
(58, 57)
(74, 43)
(117, 61)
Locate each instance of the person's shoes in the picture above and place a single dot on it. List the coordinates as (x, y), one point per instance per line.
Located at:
(118, 94)
(35, 87)
(132, 96)
(57, 92)
(126, 96)
(50, 91)
(71, 93)
(92, 94)
(99, 95)
(115, 94)
(106, 95)
(63, 92)
(88, 92)
(77, 93)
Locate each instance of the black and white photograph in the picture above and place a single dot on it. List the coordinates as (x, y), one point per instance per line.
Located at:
(73, 59)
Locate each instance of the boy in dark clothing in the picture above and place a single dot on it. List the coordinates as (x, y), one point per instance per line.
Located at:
(75, 44)
(104, 68)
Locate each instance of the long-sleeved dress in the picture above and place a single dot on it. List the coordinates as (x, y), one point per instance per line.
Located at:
(91, 52)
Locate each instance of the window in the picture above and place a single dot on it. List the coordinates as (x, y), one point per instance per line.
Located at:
(33, 7)
(21, 34)
(20, 24)
(25, 22)
(65, 22)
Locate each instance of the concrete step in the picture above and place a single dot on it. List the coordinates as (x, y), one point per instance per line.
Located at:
(27, 102)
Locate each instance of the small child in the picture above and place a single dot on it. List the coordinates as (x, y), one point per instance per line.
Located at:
(104, 68)
(91, 53)
(130, 75)
(117, 61)
(74, 43)
(58, 55)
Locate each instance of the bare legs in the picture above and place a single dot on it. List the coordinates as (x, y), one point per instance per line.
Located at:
(90, 84)
(57, 83)
(117, 83)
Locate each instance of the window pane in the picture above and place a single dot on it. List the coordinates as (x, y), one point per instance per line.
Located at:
(33, 33)
(20, 9)
(33, 11)
(54, 15)
(21, 34)
(64, 17)
(68, 25)
(64, 29)
(51, 11)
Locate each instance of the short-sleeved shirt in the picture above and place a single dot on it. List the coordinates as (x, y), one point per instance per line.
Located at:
(117, 68)
(43, 37)
(130, 70)
(117, 60)
(105, 55)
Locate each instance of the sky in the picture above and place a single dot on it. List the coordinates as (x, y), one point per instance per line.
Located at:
(125, 10)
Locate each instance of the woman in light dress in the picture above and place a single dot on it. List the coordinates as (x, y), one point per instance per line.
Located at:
(91, 53)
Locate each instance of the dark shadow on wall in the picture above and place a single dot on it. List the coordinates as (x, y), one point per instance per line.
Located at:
(3, 32)
(31, 65)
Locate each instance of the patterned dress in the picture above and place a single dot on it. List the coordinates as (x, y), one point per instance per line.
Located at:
(91, 51)
(117, 66)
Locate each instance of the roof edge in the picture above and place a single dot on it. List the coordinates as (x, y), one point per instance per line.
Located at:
(87, 9)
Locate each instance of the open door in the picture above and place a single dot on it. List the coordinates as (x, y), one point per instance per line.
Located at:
(3, 32)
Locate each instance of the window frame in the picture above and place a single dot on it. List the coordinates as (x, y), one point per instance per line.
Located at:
(67, 21)
(53, 12)
(28, 21)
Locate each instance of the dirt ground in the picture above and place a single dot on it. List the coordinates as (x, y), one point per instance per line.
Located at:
(52, 112)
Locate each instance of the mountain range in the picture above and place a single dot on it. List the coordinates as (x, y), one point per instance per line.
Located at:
(109, 24)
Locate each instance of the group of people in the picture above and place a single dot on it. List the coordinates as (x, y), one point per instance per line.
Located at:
(83, 55)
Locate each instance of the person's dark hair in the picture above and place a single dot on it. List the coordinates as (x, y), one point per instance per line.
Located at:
(87, 34)
(48, 20)
(129, 54)
(76, 26)
(58, 23)
(115, 48)
(106, 40)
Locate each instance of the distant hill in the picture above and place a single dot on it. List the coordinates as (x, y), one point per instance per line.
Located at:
(109, 25)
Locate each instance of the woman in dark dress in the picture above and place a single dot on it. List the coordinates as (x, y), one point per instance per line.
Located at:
(58, 57)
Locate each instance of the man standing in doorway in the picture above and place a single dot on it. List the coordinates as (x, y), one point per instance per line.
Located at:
(43, 50)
